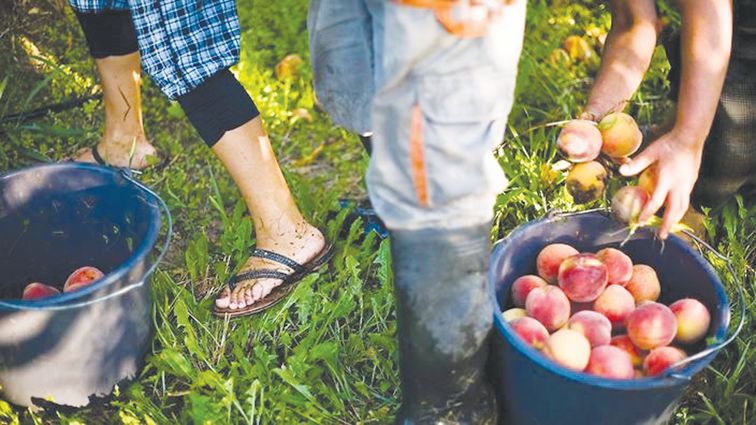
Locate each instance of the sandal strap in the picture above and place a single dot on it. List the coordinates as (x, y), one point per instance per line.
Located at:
(286, 261)
(257, 274)
(98, 158)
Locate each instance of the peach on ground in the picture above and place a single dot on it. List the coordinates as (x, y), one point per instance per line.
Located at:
(531, 331)
(36, 290)
(651, 325)
(592, 325)
(618, 264)
(693, 320)
(616, 303)
(549, 305)
(569, 349)
(514, 313)
(628, 202)
(578, 48)
(644, 284)
(659, 359)
(550, 258)
(522, 286)
(610, 362)
(82, 277)
(620, 134)
(648, 178)
(582, 277)
(579, 141)
(635, 353)
(586, 182)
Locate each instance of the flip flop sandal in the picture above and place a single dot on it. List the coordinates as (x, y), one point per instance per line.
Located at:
(289, 280)
(101, 161)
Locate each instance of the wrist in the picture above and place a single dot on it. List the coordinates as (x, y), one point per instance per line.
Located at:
(689, 137)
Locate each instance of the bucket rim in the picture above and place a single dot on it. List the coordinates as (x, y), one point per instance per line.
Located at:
(534, 355)
(138, 254)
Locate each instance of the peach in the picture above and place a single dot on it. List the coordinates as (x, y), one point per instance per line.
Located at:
(578, 48)
(514, 313)
(569, 349)
(36, 290)
(549, 306)
(644, 284)
(610, 362)
(522, 287)
(651, 325)
(550, 258)
(586, 182)
(579, 141)
(624, 342)
(618, 264)
(620, 134)
(289, 67)
(628, 202)
(616, 303)
(530, 330)
(82, 277)
(659, 359)
(648, 178)
(592, 325)
(582, 277)
(693, 320)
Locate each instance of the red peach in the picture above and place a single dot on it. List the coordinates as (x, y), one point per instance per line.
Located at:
(616, 303)
(620, 134)
(522, 287)
(659, 359)
(610, 362)
(550, 258)
(579, 141)
(651, 325)
(569, 349)
(36, 290)
(693, 320)
(582, 277)
(82, 277)
(549, 306)
(592, 325)
(624, 342)
(586, 182)
(644, 284)
(530, 330)
(618, 264)
(514, 313)
(628, 202)
(648, 178)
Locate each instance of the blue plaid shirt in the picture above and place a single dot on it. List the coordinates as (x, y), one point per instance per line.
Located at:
(181, 42)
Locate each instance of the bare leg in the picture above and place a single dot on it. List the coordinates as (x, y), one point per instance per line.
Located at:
(279, 226)
(121, 80)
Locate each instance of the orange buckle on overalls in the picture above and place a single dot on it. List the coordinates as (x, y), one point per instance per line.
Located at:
(463, 18)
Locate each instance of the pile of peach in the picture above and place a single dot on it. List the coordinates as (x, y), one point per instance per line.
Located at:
(597, 313)
(80, 278)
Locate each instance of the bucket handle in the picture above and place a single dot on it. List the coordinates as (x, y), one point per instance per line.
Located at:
(127, 174)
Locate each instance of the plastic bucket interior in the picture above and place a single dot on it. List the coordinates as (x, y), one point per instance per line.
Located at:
(531, 389)
(53, 220)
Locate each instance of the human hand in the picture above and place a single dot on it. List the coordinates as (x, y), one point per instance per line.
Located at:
(678, 158)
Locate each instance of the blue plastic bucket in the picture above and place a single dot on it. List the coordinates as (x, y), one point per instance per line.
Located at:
(531, 389)
(53, 220)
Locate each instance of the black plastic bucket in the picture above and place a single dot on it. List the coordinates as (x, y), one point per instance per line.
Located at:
(531, 389)
(53, 220)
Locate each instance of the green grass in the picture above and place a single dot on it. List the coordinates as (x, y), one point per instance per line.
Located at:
(327, 354)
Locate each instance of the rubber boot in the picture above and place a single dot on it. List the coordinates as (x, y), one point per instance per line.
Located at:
(444, 317)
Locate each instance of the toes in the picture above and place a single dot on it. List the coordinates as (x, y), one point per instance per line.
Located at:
(257, 292)
(248, 298)
(236, 299)
(224, 299)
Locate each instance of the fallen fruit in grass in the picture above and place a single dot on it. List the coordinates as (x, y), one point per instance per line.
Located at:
(559, 57)
(659, 359)
(550, 258)
(616, 303)
(531, 331)
(549, 305)
(586, 182)
(522, 286)
(82, 277)
(693, 320)
(582, 277)
(579, 141)
(514, 313)
(36, 290)
(623, 342)
(610, 362)
(648, 178)
(644, 284)
(628, 203)
(289, 67)
(568, 348)
(651, 325)
(592, 325)
(620, 134)
(577, 48)
(618, 264)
